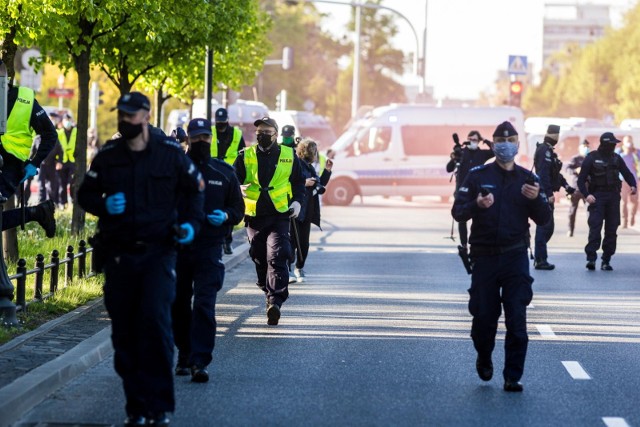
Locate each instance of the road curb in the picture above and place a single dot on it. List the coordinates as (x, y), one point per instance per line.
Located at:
(20, 396)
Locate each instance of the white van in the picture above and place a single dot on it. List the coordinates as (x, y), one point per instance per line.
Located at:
(241, 114)
(402, 149)
(308, 125)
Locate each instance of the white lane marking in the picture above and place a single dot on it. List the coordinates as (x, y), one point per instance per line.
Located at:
(576, 370)
(531, 305)
(546, 331)
(614, 422)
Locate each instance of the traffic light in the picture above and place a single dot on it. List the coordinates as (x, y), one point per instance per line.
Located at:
(515, 93)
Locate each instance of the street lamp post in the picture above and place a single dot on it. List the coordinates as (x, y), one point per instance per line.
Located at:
(356, 49)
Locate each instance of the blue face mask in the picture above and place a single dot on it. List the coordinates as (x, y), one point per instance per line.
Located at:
(505, 151)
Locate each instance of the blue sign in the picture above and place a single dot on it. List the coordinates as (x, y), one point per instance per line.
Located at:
(517, 64)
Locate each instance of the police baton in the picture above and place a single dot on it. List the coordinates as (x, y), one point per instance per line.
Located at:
(296, 236)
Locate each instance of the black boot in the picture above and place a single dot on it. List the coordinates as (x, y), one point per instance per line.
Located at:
(43, 214)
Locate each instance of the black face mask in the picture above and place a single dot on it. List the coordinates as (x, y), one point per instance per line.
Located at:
(129, 130)
(264, 141)
(552, 142)
(607, 148)
(200, 151)
(221, 127)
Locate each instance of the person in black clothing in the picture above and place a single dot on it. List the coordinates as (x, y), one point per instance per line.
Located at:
(548, 168)
(19, 163)
(271, 175)
(199, 270)
(500, 197)
(464, 159)
(307, 151)
(600, 184)
(227, 143)
(573, 168)
(134, 186)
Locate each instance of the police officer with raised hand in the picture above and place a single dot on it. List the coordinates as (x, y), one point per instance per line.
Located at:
(228, 142)
(464, 157)
(199, 270)
(548, 168)
(25, 117)
(133, 186)
(600, 184)
(269, 173)
(500, 197)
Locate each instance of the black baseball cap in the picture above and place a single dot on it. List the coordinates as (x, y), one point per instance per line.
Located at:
(222, 115)
(199, 127)
(132, 102)
(609, 137)
(288, 131)
(267, 121)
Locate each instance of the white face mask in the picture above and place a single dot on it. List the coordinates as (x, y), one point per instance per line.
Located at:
(583, 150)
(473, 145)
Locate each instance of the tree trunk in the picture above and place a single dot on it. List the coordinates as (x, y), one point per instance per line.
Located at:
(10, 237)
(8, 51)
(83, 69)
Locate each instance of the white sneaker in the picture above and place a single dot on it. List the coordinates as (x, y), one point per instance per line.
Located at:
(299, 275)
(292, 279)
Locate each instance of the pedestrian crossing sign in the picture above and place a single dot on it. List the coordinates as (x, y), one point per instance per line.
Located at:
(517, 64)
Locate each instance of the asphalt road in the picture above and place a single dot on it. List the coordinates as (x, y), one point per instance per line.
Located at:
(379, 336)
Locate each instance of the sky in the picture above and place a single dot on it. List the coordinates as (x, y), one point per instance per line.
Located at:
(468, 41)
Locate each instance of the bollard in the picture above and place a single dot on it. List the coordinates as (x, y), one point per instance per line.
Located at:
(69, 266)
(55, 271)
(21, 284)
(39, 276)
(82, 259)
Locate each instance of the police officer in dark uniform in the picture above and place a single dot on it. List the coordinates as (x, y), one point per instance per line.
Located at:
(133, 187)
(573, 168)
(288, 139)
(273, 183)
(548, 168)
(500, 197)
(228, 143)
(199, 270)
(463, 158)
(600, 183)
(25, 117)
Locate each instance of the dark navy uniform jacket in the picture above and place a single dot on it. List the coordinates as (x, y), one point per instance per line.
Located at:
(222, 191)
(506, 222)
(545, 162)
(588, 166)
(152, 181)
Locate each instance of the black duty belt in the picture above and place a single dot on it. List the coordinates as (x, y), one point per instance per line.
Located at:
(496, 250)
(613, 189)
(266, 188)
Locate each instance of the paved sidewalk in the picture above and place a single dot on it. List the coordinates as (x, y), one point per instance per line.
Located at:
(35, 364)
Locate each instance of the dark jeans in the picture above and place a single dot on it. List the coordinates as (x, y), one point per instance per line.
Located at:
(65, 179)
(501, 281)
(269, 249)
(543, 235)
(605, 210)
(48, 178)
(138, 293)
(573, 210)
(200, 273)
(304, 231)
(12, 173)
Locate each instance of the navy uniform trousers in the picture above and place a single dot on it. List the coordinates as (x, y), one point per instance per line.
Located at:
(139, 290)
(543, 235)
(606, 209)
(501, 281)
(270, 251)
(201, 275)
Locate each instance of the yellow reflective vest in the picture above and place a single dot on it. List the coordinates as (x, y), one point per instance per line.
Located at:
(19, 136)
(279, 186)
(232, 151)
(68, 147)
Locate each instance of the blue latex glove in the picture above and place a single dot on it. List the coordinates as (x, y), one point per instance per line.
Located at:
(115, 203)
(217, 217)
(189, 234)
(29, 172)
